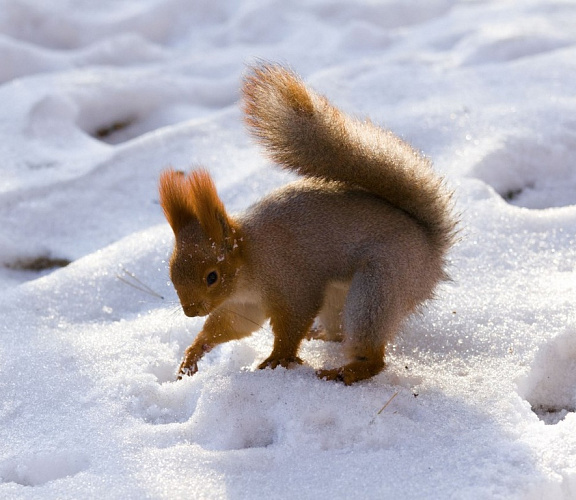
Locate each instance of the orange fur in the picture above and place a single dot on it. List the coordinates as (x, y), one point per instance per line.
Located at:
(193, 196)
(175, 200)
(208, 206)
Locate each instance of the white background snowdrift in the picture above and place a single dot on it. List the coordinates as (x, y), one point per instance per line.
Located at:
(485, 378)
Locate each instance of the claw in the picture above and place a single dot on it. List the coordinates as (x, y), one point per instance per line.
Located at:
(275, 362)
(335, 374)
(194, 353)
(187, 371)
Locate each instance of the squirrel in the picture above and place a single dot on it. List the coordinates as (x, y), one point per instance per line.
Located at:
(357, 244)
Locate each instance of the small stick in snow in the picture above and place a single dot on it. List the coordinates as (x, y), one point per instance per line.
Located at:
(384, 407)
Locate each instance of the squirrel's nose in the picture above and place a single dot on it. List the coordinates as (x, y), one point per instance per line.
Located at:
(193, 310)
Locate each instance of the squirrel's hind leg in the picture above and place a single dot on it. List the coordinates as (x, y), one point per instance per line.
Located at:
(330, 316)
(372, 315)
(320, 332)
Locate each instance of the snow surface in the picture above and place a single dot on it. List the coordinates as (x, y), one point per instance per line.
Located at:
(99, 96)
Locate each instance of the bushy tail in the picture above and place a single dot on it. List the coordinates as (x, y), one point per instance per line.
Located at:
(303, 132)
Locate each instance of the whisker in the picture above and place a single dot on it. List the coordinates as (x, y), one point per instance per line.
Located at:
(175, 310)
(259, 325)
(137, 287)
(136, 283)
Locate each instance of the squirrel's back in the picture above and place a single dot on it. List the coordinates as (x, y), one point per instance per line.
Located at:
(304, 133)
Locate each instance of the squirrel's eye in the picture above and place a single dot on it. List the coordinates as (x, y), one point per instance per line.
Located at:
(211, 278)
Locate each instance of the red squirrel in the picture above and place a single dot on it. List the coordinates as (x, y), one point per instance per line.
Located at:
(359, 242)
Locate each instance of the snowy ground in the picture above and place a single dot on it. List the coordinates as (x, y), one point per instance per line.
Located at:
(98, 97)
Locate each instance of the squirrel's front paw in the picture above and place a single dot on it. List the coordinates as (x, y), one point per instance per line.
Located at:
(187, 370)
(189, 365)
(273, 362)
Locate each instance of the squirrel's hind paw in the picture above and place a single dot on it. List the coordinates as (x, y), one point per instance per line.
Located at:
(353, 372)
(321, 333)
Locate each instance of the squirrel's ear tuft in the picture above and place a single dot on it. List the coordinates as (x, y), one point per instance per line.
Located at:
(208, 207)
(176, 199)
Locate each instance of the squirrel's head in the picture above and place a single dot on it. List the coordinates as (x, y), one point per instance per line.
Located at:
(207, 252)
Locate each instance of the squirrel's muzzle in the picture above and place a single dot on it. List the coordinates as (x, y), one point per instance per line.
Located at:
(194, 310)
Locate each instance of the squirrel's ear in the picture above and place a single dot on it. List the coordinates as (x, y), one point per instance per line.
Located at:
(208, 207)
(176, 199)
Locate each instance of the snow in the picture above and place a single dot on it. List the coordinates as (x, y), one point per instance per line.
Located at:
(478, 399)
